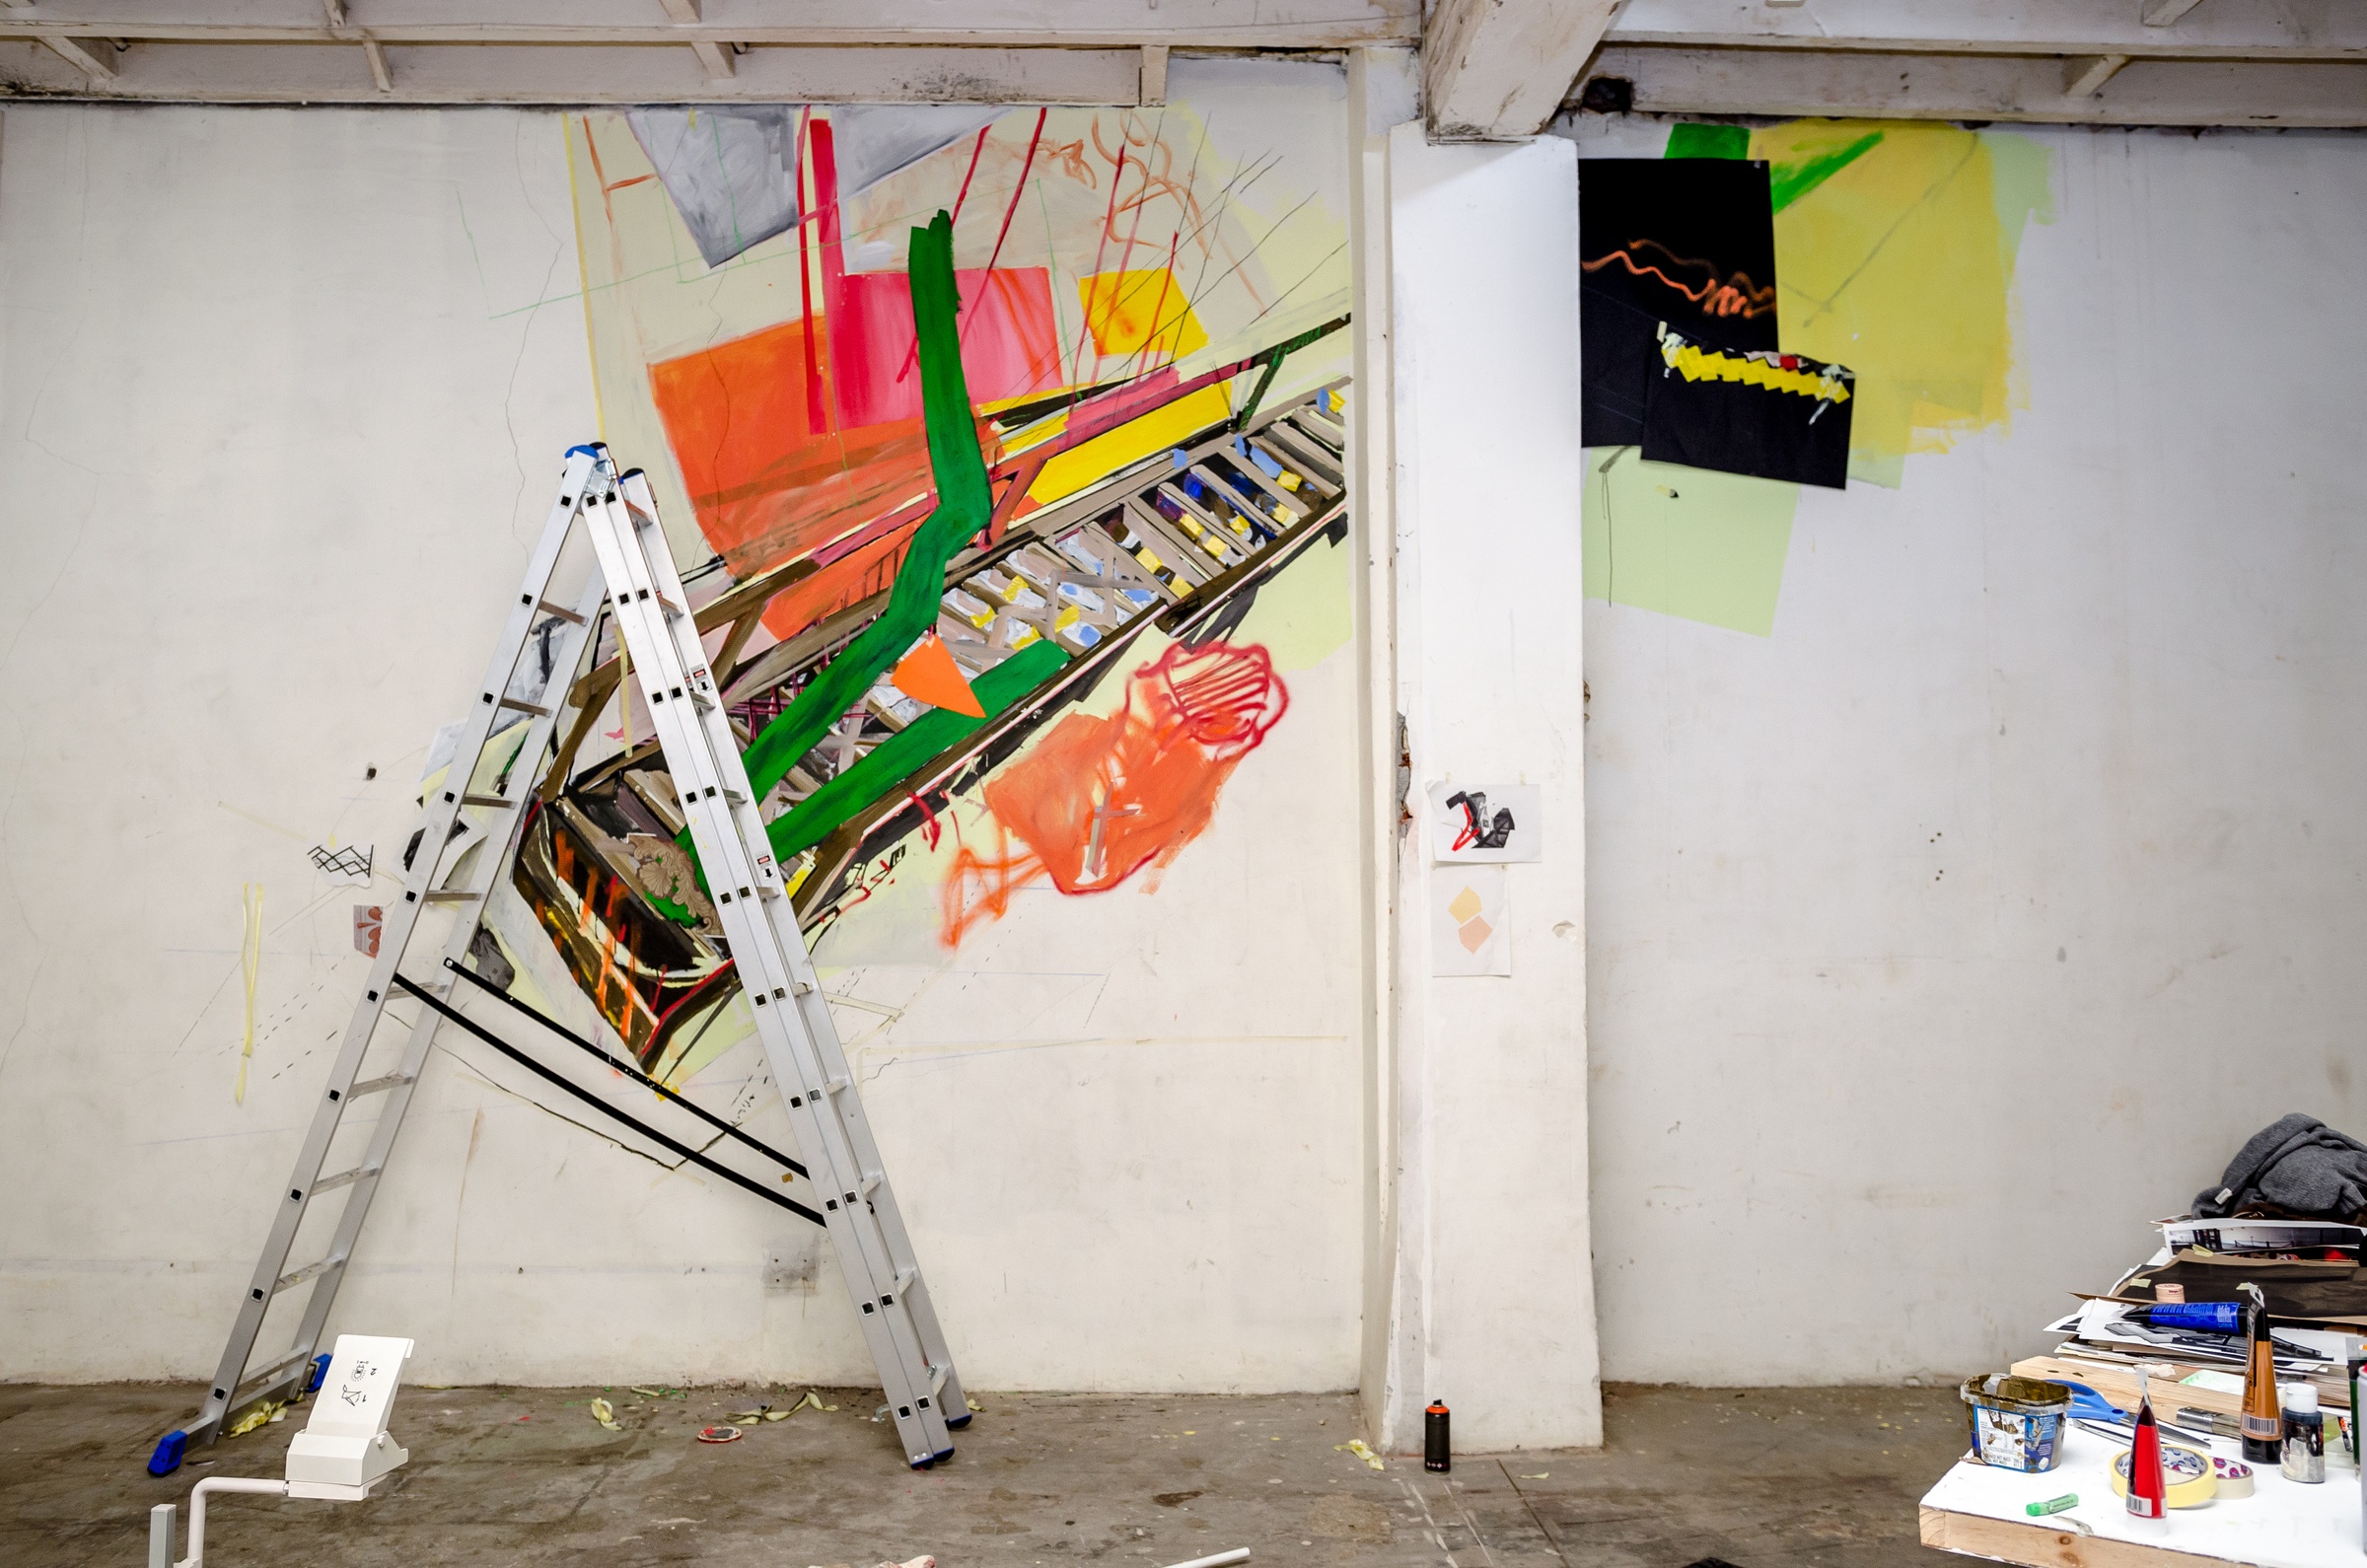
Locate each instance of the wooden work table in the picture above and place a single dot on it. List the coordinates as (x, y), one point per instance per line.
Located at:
(1977, 1511)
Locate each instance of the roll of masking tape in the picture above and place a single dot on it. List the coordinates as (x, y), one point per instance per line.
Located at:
(2234, 1476)
(2187, 1474)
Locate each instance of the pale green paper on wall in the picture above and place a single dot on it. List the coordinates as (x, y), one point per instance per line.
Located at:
(1690, 543)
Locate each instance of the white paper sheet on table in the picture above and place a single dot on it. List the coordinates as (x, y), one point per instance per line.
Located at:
(2282, 1524)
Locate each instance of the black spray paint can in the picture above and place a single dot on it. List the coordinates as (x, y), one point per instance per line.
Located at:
(1437, 1452)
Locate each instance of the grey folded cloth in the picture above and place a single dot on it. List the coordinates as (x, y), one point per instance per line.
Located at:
(2297, 1165)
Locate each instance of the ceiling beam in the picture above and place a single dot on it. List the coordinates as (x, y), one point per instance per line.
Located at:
(2236, 30)
(323, 73)
(1957, 86)
(85, 60)
(1102, 24)
(2084, 74)
(1154, 76)
(1496, 70)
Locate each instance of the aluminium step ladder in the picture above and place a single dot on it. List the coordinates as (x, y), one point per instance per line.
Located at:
(635, 568)
(654, 619)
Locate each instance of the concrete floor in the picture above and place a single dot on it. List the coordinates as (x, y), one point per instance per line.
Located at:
(1761, 1478)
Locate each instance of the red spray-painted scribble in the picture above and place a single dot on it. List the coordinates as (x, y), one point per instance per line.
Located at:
(1715, 295)
(1099, 799)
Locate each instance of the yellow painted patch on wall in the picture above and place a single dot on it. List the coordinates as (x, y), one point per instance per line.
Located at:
(1127, 311)
(1901, 265)
(1166, 426)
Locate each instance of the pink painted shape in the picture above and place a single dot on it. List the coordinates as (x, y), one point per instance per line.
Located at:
(1010, 350)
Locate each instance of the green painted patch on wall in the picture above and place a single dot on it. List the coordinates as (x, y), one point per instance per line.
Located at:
(1686, 542)
(905, 752)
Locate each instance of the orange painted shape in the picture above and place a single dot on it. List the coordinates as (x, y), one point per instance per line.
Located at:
(929, 675)
(1150, 773)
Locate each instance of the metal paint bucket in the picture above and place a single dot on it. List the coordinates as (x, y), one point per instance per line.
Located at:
(2016, 1422)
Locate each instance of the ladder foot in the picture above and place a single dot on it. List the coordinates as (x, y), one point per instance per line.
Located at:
(169, 1450)
(922, 1465)
(957, 1423)
(941, 1456)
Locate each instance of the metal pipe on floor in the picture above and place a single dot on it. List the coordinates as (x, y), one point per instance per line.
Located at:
(212, 1483)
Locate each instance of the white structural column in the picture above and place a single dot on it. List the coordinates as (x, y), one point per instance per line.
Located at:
(1492, 1286)
(1384, 92)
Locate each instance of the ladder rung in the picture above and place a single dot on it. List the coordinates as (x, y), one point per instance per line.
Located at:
(869, 1184)
(296, 1277)
(273, 1369)
(524, 707)
(937, 1376)
(452, 895)
(487, 799)
(343, 1178)
(372, 1086)
(560, 610)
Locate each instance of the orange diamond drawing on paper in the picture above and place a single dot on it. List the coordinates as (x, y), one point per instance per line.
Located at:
(1465, 906)
(929, 675)
(1474, 935)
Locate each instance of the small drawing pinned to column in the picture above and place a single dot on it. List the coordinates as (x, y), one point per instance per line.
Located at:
(368, 921)
(348, 867)
(1468, 934)
(1490, 824)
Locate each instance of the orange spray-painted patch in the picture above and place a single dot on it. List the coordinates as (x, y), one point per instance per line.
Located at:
(1098, 799)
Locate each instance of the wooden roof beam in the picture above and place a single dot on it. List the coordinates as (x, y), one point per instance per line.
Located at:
(1497, 70)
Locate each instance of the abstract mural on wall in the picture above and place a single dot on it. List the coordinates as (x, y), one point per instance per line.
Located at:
(987, 622)
(1895, 246)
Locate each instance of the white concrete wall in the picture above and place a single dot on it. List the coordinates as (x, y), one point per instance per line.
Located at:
(281, 395)
(1493, 1302)
(1947, 936)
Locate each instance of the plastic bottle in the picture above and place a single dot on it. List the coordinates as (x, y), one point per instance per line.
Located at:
(2148, 1489)
(2263, 1423)
(2304, 1435)
(2204, 1317)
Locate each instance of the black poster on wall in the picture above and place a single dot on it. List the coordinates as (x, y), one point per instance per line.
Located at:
(1688, 242)
(1773, 416)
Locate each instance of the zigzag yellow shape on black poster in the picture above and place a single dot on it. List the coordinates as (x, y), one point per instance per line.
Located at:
(1698, 364)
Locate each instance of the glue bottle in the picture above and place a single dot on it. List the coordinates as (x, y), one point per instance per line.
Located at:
(2148, 1489)
(2263, 1423)
(2304, 1435)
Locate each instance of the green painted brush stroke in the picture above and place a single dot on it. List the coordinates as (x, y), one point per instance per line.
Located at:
(1789, 182)
(1786, 183)
(963, 506)
(1689, 140)
(896, 758)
